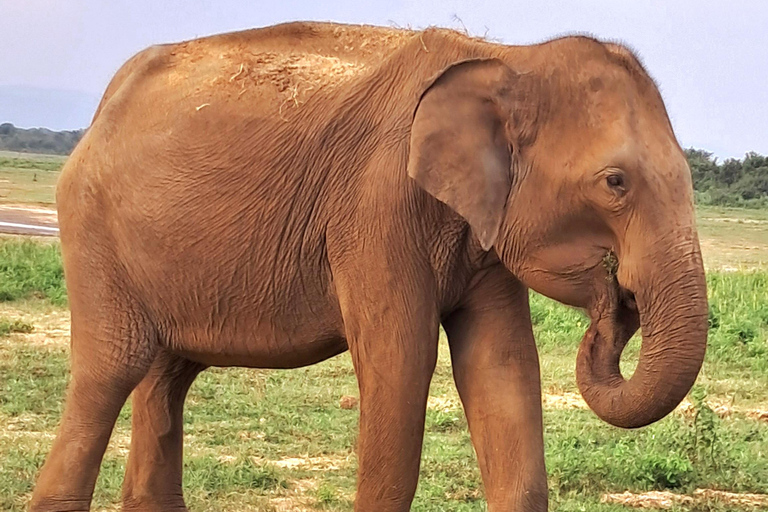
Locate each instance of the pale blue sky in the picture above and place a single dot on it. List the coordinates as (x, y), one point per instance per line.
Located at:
(709, 57)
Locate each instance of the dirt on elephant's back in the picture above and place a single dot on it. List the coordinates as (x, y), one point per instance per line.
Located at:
(292, 60)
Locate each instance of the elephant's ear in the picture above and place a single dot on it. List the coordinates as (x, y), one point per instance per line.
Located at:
(460, 151)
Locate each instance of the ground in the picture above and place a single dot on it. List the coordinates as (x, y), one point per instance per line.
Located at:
(285, 440)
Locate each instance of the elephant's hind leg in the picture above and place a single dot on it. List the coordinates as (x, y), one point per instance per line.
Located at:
(112, 349)
(153, 475)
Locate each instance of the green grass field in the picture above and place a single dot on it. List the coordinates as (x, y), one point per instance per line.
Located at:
(279, 440)
(28, 178)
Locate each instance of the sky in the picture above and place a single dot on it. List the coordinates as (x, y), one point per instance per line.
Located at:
(710, 58)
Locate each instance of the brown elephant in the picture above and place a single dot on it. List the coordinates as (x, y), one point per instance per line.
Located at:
(274, 197)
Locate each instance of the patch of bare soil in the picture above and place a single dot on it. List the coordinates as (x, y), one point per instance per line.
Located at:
(723, 409)
(665, 500)
(564, 400)
(443, 403)
(31, 220)
(349, 402)
(120, 443)
(758, 414)
(570, 400)
(320, 463)
(735, 220)
(30, 214)
(295, 499)
(49, 327)
(20, 428)
(110, 508)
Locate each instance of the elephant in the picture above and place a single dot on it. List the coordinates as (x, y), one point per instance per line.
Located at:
(274, 197)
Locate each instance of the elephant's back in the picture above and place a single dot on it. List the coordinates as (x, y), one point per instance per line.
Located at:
(280, 67)
(191, 90)
(358, 45)
(203, 113)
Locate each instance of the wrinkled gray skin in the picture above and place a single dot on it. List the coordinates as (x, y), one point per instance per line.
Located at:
(274, 197)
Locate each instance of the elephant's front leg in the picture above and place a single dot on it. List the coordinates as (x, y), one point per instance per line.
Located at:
(393, 342)
(496, 368)
(153, 474)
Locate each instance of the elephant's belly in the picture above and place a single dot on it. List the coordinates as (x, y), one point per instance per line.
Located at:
(257, 350)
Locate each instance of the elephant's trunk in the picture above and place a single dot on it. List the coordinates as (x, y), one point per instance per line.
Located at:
(670, 290)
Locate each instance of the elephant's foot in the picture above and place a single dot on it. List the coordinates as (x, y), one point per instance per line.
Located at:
(59, 504)
(173, 503)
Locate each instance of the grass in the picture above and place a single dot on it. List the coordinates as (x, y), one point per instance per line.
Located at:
(733, 239)
(278, 440)
(31, 269)
(28, 178)
(243, 426)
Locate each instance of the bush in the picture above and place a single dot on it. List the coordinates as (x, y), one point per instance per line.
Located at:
(668, 471)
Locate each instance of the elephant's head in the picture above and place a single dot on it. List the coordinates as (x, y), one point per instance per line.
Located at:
(562, 159)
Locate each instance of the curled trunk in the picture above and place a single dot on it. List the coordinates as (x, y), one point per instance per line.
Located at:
(672, 307)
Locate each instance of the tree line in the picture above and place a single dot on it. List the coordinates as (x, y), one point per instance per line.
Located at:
(733, 182)
(38, 140)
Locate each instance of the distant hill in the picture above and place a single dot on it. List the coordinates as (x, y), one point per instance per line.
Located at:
(38, 140)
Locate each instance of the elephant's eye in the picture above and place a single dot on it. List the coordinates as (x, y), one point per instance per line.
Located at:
(615, 181)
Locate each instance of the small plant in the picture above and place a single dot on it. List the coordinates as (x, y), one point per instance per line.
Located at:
(326, 495)
(12, 326)
(705, 438)
(446, 421)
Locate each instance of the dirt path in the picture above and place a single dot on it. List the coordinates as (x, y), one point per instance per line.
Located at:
(18, 219)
